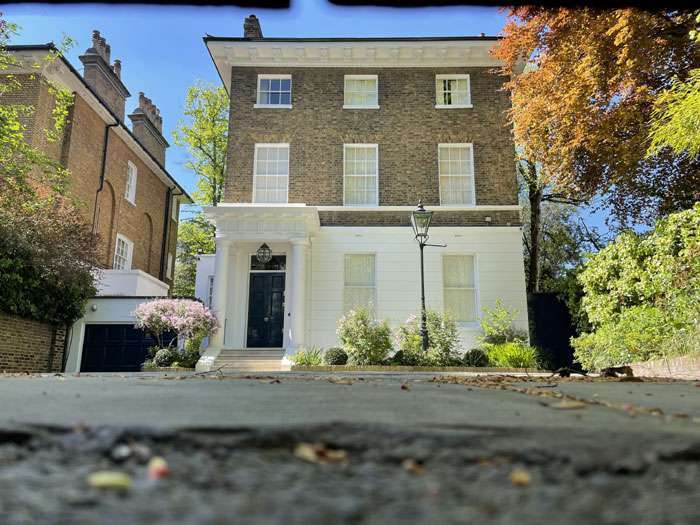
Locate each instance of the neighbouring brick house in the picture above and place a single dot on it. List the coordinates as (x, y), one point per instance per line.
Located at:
(117, 174)
(332, 144)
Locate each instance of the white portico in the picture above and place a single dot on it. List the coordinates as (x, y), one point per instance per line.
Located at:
(260, 305)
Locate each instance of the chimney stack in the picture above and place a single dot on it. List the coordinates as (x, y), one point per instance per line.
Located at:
(103, 78)
(251, 27)
(147, 126)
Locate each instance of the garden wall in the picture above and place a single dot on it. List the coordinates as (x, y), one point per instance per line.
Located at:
(30, 346)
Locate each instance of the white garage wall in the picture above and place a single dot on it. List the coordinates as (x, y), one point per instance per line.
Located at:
(500, 273)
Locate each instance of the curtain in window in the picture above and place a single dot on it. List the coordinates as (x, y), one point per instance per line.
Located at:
(359, 281)
(459, 287)
(360, 175)
(360, 92)
(456, 172)
(453, 92)
(271, 174)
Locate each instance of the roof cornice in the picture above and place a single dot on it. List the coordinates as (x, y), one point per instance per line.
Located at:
(350, 53)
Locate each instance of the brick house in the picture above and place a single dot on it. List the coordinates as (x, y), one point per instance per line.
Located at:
(117, 177)
(332, 144)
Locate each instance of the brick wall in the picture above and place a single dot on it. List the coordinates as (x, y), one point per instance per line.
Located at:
(30, 346)
(81, 152)
(440, 218)
(407, 128)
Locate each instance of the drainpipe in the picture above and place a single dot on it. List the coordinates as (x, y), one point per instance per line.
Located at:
(103, 168)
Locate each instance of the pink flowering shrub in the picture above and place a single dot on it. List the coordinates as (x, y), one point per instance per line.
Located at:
(187, 318)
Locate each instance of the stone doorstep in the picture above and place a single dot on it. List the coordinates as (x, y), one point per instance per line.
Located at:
(682, 367)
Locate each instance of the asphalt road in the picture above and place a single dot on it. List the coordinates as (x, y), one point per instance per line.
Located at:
(414, 449)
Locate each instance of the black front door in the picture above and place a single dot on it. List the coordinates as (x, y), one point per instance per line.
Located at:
(266, 310)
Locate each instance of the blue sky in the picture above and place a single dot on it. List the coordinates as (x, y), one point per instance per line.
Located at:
(162, 52)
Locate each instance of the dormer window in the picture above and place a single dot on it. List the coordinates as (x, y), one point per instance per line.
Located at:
(452, 91)
(361, 92)
(274, 91)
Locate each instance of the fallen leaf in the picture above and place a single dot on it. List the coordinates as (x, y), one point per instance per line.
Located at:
(405, 386)
(158, 468)
(520, 477)
(109, 480)
(319, 453)
(275, 381)
(568, 404)
(412, 466)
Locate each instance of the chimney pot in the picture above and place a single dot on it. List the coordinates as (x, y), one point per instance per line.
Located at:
(251, 27)
(100, 74)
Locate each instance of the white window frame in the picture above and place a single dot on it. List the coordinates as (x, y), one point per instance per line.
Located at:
(470, 148)
(373, 303)
(453, 76)
(131, 177)
(477, 299)
(376, 171)
(129, 255)
(266, 76)
(255, 167)
(361, 77)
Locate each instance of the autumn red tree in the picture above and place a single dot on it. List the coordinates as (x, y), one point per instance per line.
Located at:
(582, 107)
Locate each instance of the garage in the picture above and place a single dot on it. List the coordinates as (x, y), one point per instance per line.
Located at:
(115, 348)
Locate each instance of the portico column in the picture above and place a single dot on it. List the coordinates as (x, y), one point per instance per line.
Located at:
(298, 289)
(220, 297)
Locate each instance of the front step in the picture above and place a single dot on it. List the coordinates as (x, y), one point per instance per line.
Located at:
(250, 360)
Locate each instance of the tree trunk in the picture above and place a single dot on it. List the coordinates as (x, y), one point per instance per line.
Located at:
(535, 197)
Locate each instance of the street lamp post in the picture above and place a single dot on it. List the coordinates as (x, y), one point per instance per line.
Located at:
(420, 220)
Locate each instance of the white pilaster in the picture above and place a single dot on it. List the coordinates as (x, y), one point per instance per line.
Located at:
(297, 307)
(222, 270)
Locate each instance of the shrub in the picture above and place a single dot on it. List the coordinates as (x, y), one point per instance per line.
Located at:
(443, 341)
(498, 326)
(642, 294)
(185, 317)
(308, 357)
(365, 341)
(165, 357)
(475, 357)
(47, 258)
(335, 356)
(148, 365)
(513, 354)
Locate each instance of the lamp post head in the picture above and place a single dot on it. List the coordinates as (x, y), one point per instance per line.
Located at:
(420, 220)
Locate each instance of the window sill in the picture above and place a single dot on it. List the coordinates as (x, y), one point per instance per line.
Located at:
(360, 107)
(272, 106)
(453, 106)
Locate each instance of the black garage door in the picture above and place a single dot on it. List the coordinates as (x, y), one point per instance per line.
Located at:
(115, 348)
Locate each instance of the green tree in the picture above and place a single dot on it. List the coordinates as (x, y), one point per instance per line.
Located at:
(24, 167)
(676, 117)
(205, 136)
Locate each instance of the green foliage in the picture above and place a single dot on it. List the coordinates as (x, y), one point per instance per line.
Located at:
(194, 236)
(23, 167)
(366, 341)
(205, 135)
(165, 357)
(47, 258)
(308, 357)
(149, 366)
(476, 357)
(443, 341)
(513, 354)
(676, 118)
(498, 326)
(641, 293)
(335, 356)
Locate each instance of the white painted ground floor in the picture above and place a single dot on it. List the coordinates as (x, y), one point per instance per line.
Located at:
(317, 273)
